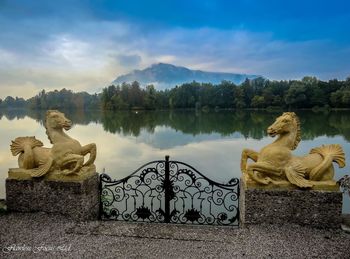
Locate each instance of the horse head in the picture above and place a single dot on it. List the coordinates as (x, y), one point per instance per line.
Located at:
(57, 120)
(288, 122)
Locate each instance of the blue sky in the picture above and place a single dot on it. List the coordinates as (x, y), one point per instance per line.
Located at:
(84, 45)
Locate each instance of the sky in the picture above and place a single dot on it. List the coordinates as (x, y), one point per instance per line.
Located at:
(83, 45)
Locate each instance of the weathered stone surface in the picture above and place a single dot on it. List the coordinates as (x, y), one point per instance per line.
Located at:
(76, 199)
(315, 208)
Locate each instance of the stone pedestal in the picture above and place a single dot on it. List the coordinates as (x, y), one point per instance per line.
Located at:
(75, 197)
(316, 208)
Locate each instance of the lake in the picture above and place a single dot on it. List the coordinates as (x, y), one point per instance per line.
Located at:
(209, 141)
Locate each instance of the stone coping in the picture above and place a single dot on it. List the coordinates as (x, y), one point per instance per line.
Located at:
(319, 186)
(22, 174)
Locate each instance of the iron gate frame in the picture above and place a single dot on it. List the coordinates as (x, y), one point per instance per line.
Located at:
(167, 173)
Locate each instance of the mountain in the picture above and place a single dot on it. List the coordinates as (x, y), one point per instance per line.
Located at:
(163, 76)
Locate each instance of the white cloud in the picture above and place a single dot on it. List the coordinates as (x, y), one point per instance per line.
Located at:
(6, 57)
(91, 54)
(65, 50)
(246, 52)
(165, 59)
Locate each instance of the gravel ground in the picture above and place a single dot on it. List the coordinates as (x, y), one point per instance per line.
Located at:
(39, 235)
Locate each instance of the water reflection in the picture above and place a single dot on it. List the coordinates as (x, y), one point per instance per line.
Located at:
(211, 142)
(250, 124)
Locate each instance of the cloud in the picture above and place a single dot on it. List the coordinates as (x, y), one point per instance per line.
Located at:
(165, 59)
(65, 50)
(132, 61)
(86, 53)
(28, 82)
(244, 51)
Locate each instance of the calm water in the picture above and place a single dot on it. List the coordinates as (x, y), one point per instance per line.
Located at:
(211, 142)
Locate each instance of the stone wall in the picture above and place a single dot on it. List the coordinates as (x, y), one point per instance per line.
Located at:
(75, 199)
(315, 208)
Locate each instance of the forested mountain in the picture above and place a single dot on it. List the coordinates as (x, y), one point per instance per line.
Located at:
(165, 76)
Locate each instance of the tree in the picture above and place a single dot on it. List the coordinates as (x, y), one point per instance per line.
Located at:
(248, 91)
(135, 95)
(106, 98)
(346, 99)
(239, 100)
(296, 95)
(150, 97)
(258, 101)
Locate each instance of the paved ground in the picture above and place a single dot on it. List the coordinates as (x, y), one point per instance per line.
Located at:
(39, 235)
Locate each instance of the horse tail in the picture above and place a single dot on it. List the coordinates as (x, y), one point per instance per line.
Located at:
(330, 153)
(24, 147)
(334, 151)
(24, 144)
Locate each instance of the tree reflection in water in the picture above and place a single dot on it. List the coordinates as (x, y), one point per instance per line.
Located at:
(251, 124)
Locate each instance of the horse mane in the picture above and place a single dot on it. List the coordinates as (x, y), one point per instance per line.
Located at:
(298, 133)
(45, 123)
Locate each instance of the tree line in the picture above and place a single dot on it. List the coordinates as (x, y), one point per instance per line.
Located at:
(257, 93)
(62, 100)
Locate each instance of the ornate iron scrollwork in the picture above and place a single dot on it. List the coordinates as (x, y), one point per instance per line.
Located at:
(170, 192)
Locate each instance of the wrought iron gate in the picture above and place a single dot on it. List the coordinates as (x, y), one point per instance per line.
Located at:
(169, 192)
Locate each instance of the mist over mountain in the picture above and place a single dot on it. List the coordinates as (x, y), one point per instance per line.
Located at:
(164, 76)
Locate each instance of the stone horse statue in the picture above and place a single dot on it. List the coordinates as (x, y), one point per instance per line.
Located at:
(66, 154)
(275, 164)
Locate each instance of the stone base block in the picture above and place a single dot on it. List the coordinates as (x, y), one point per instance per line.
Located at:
(77, 198)
(316, 208)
